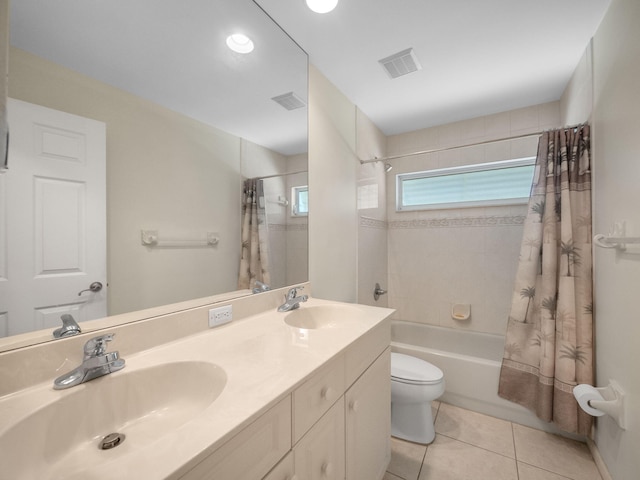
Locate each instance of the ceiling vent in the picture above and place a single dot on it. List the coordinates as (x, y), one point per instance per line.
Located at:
(290, 101)
(401, 63)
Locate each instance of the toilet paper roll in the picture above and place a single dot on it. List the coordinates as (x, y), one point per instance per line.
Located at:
(584, 393)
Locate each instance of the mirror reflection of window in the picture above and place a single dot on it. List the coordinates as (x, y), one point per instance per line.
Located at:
(300, 201)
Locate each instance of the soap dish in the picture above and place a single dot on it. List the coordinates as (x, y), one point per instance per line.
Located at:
(461, 311)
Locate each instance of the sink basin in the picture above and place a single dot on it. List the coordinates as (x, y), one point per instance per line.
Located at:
(321, 316)
(60, 439)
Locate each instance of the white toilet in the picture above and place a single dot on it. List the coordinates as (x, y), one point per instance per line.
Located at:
(414, 385)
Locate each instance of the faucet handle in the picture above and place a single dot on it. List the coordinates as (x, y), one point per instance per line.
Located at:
(260, 287)
(97, 345)
(69, 327)
(293, 292)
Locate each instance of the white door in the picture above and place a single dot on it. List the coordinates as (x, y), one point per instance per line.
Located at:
(53, 219)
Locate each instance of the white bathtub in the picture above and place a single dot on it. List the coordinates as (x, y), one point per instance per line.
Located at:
(471, 365)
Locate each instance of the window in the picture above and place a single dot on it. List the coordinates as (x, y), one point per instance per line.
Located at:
(300, 201)
(498, 183)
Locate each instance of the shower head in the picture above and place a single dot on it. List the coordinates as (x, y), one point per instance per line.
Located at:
(387, 167)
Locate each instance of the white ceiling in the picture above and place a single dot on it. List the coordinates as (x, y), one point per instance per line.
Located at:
(173, 52)
(478, 56)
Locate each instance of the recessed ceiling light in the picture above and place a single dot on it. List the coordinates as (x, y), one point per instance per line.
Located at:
(322, 6)
(239, 43)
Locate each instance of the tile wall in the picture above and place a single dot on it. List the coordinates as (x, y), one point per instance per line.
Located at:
(437, 258)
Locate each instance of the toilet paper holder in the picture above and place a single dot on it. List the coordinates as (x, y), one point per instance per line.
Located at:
(612, 402)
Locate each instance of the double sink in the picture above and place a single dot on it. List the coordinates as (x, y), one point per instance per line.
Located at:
(150, 407)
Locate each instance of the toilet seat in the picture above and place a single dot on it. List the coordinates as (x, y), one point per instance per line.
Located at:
(414, 371)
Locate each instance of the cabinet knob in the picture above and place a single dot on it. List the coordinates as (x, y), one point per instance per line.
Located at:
(326, 393)
(354, 405)
(327, 469)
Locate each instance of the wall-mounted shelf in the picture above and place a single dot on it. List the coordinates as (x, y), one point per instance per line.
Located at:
(151, 238)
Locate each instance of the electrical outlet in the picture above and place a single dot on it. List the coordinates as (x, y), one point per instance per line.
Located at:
(220, 315)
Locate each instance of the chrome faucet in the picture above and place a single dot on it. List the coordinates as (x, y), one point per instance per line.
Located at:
(261, 287)
(69, 327)
(96, 363)
(292, 300)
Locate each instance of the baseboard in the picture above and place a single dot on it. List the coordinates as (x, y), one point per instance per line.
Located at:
(602, 467)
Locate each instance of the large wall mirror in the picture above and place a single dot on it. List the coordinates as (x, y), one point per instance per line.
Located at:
(186, 122)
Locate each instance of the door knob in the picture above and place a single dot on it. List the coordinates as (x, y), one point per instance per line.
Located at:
(94, 287)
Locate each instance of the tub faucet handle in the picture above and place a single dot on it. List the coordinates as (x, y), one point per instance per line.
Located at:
(377, 292)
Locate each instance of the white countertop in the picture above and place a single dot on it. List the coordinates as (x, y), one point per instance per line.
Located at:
(263, 358)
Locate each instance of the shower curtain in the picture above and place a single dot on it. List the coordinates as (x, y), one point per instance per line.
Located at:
(254, 262)
(549, 341)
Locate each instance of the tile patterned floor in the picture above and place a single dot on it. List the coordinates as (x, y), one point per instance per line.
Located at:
(473, 446)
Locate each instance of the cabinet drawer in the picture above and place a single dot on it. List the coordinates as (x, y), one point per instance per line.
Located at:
(320, 454)
(365, 350)
(252, 452)
(315, 396)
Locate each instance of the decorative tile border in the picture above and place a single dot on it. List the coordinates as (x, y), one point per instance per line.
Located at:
(297, 227)
(281, 227)
(453, 222)
(369, 222)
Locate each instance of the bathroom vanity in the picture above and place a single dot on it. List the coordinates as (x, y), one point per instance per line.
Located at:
(297, 395)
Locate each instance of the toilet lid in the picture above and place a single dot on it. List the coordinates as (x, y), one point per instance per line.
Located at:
(408, 369)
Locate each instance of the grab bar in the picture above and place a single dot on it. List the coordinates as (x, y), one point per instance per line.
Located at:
(606, 241)
(617, 237)
(150, 238)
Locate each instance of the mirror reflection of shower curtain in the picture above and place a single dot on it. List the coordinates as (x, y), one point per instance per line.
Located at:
(254, 262)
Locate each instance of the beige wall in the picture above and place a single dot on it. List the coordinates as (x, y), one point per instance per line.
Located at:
(347, 244)
(4, 67)
(164, 172)
(333, 170)
(372, 213)
(576, 103)
(615, 58)
(441, 257)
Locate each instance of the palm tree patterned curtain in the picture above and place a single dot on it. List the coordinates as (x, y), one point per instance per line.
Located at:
(549, 341)
(254, 262)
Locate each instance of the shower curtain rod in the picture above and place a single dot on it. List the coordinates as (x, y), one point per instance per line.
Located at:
(443, 149)
(277, 175)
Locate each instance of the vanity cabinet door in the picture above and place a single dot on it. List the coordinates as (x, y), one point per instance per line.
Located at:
(368, 422)
(252, 452)
(320, 453)
(284, 470)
